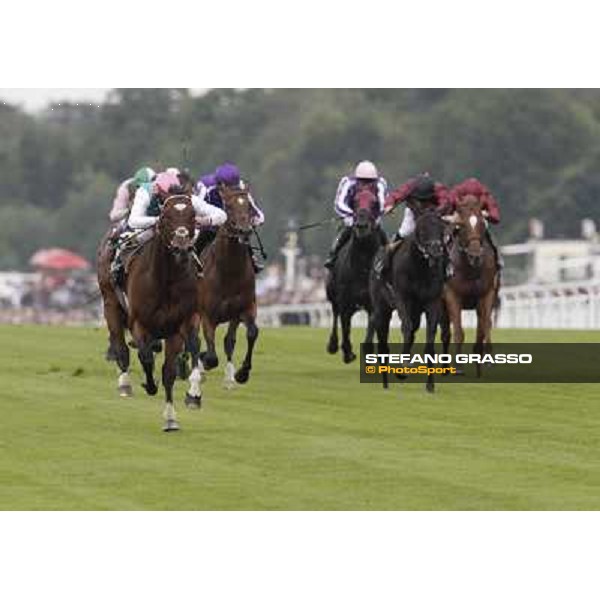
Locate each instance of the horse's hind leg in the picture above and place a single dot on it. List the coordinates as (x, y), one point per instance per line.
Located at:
(346, 319)
(243, 373)
(115, 322)
(332, 346)
(174, 346)
(229, 346)
(193, 398)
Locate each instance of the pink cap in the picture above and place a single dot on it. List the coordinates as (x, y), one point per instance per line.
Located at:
(165, 180)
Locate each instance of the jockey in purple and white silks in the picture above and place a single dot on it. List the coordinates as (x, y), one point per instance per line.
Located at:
(209, 189)
(365, 176)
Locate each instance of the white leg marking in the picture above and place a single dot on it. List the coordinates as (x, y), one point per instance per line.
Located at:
(124, 379)
(169, 412)
(195, 379)
(229, 381)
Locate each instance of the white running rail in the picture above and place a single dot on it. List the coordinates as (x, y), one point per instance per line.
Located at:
(573, 305)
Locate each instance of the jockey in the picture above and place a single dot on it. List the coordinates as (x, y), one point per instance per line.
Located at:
(209, 188)
(488, 204)
(126, 191)
(418, 194)
(146, 208)
(365, 175)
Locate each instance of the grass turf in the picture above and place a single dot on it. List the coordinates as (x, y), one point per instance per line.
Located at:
(302, 434)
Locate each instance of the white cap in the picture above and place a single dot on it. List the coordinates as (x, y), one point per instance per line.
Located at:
(174, 171)
(366, 170)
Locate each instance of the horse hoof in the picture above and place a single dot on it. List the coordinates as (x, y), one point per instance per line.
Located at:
(125, 391)
(349, 357)
(210, 361)
(242, 376)
(171, 425)
(151, 390)
(193, 401)
(332, 347)
(229, 384)
(430, 388)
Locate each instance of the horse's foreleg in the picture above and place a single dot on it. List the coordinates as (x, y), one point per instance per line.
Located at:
(116, 328)
(346, 319)
(433, 317)
(381, 322)
(209, 358)
(454, 316)
(229, 347)
(333, 344)
(369, 334)
(243, 373)
(146, 356)
(174, 345)
(484, 325)
(193, 398)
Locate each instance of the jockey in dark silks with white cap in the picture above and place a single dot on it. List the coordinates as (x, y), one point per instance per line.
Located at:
(209, 189)
(365, 176)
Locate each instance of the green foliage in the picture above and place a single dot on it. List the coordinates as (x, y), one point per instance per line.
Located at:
(536, 149)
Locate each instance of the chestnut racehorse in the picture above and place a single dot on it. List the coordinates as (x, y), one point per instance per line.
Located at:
(476, 281)
(226, 292)
(160, 289)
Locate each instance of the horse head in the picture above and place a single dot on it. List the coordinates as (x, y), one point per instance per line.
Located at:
(236, 203)
(176, 225)
(470, 228)
(431, 236)
(365, 206)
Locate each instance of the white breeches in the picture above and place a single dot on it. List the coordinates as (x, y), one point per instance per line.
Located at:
(408, 223)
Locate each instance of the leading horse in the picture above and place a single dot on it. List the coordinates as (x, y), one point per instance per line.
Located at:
(160, 289)
(347, 284)
(476, 281)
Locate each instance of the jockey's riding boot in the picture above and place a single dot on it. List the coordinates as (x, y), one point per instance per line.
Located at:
(339, 241)
(383, 264)
(116, 268)
(256, 260)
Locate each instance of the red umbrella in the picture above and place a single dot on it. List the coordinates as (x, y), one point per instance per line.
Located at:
(58, 259)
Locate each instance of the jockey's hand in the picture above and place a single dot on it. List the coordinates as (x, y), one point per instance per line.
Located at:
(204, 221)
(485, 214)
(348, 221)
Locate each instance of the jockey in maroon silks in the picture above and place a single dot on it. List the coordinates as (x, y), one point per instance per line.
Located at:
(487, 202)
(417, 194)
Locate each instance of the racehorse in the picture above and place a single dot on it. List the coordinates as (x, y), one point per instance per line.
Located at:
(227, 290)
(160, 291)
(417, 274)
(347, 284)
(475, 283)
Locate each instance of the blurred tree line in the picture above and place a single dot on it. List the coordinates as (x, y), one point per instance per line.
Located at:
(536, 149)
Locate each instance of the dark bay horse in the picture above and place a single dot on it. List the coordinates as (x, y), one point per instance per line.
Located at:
(347, 284)
(417, 274)
(475, 283)
(160, 289)
(227, 290)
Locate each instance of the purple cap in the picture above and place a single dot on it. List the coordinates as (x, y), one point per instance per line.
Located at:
(228, 174)
(209, 180)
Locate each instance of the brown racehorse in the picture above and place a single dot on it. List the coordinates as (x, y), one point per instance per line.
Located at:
(475, 283)
(161, 292)
(226, 292)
